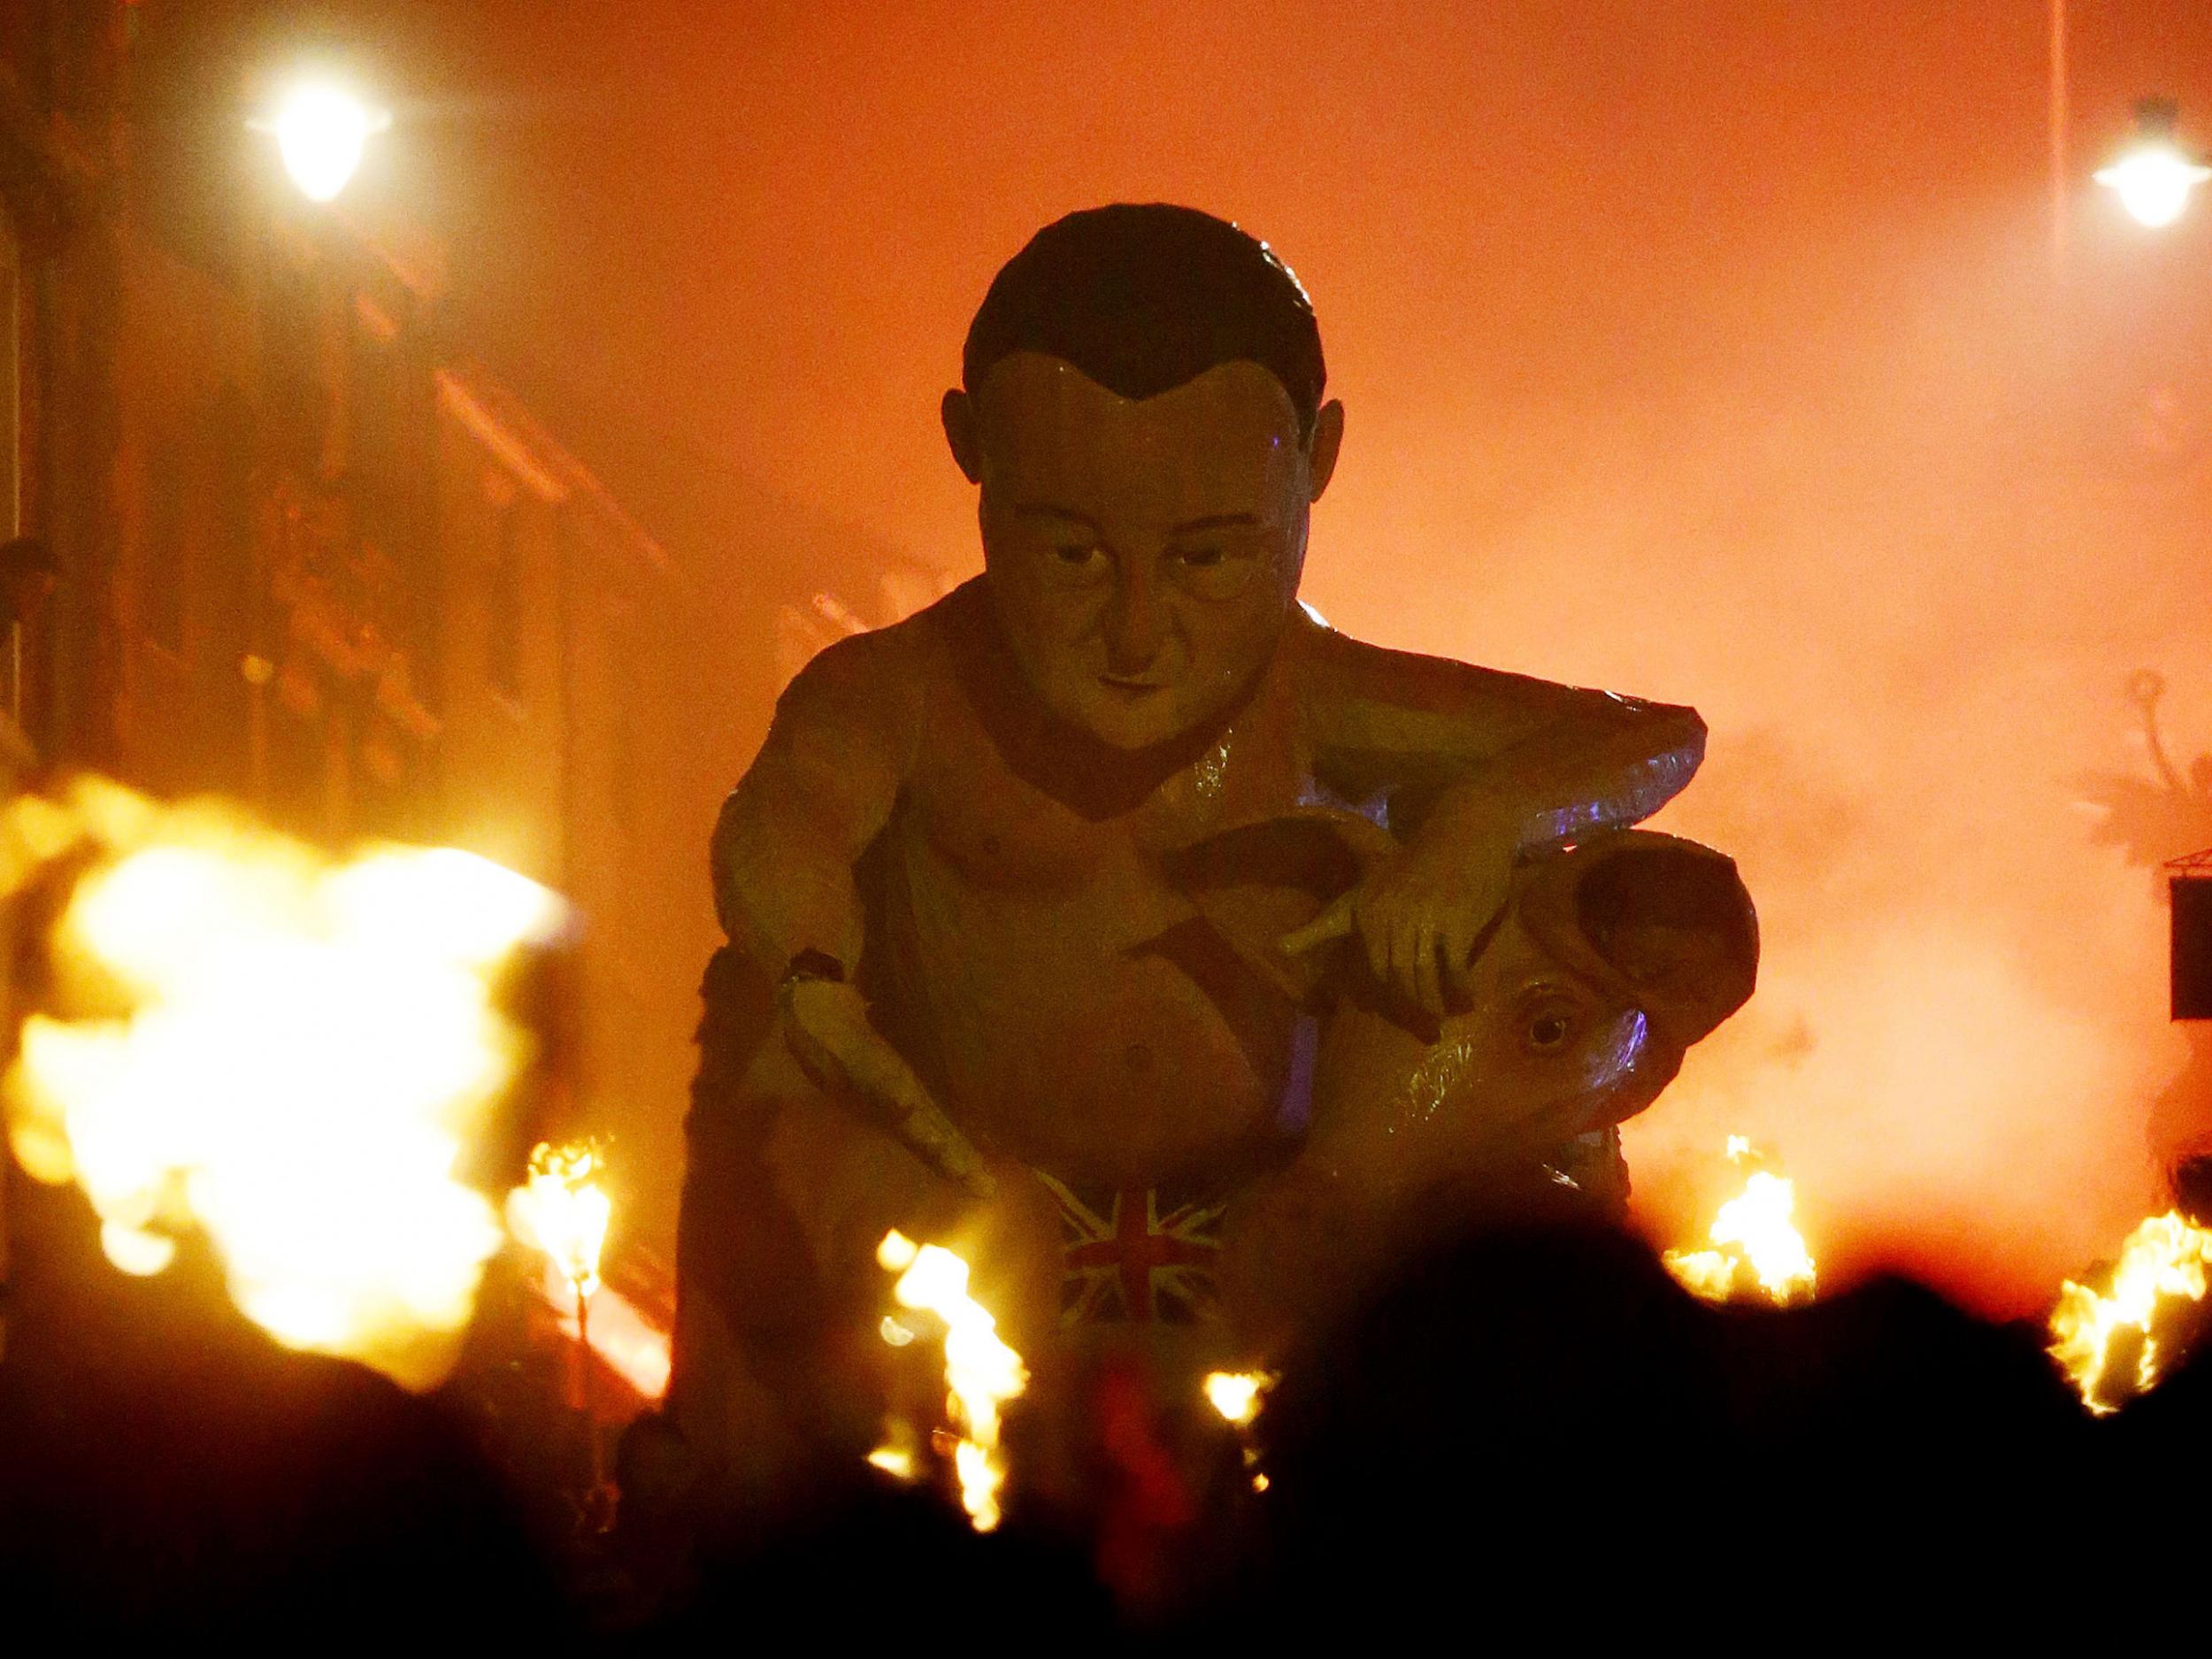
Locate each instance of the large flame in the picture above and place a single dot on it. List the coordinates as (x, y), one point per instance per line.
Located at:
(290, 1051)
(1757, 1250)
(2163, 1261)
(981, 1371)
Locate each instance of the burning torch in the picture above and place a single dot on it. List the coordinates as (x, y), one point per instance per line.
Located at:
(561, 1210)
(981, 1371)
(1236, 1396)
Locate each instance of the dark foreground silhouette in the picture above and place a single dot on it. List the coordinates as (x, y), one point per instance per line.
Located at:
(1530, 1429)
(166, 1469)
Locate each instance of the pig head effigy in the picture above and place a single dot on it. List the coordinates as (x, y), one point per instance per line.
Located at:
(1610, 959)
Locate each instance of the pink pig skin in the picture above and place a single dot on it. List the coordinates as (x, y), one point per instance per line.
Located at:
(1610, 959)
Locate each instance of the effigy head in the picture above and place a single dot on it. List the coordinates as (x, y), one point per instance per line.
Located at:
(1141, 408)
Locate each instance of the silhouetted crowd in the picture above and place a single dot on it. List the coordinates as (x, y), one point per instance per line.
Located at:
(1533, 1435)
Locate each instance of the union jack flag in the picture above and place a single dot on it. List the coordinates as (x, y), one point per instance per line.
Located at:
(1137, 1254)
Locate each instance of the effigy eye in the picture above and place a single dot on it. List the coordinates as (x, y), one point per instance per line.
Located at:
(1548, 1030)
(1212, 573)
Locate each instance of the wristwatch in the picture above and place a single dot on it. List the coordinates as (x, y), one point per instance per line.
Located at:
(809, 964)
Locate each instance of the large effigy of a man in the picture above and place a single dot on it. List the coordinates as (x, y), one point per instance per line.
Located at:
(959, 956)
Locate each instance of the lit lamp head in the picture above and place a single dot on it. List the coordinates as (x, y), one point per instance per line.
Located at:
(2154, 175)
(322, 130)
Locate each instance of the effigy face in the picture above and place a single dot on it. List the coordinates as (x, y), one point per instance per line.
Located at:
(1141, 553)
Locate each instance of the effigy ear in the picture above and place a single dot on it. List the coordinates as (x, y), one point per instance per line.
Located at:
(1666, 924)
(1253, 882)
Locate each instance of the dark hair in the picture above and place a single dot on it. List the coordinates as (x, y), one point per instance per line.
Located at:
(1143, 297)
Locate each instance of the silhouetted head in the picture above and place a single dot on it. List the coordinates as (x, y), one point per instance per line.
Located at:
(1142, 410)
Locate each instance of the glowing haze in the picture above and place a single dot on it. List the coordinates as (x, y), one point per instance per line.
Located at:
(1710, 352)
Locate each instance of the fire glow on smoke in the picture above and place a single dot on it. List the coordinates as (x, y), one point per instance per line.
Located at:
(1756, 1250)
(287, 1050)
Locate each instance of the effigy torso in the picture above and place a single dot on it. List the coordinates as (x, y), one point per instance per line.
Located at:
(1069, 1002)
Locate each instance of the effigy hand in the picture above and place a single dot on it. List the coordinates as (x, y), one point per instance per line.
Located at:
(1418, 911)
(825, 1023)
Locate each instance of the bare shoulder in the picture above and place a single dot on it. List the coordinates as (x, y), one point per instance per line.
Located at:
(1339, 672)
(1332, 661)
(1376, 718)
(880, 679)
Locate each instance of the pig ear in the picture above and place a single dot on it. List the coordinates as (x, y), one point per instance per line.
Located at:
(1667, 922)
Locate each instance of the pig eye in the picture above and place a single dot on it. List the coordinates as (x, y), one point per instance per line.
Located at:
(1547, 1029)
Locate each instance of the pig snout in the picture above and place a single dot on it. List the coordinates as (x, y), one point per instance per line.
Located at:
(1503, 1082)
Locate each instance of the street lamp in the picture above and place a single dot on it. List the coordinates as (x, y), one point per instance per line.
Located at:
(2154, 175)
(321, 130)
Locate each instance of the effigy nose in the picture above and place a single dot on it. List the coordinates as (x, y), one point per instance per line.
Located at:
(1133, 629)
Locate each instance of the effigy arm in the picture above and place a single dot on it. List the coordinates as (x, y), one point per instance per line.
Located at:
(1458, 745)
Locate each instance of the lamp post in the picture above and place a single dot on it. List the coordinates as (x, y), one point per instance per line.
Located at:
(2155, 177)
(322, 129)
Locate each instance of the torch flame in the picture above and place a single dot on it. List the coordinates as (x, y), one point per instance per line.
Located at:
(895, 1460)
(562, 1210)
(981, 1371)
(1754, 1239)
(1235, 1394)
(291, 1052)
(2163, 1258)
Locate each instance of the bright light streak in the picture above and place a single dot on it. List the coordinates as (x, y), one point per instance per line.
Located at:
(322, 131)
(2153, 183)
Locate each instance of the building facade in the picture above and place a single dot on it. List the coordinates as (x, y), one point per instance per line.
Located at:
(312, 556)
